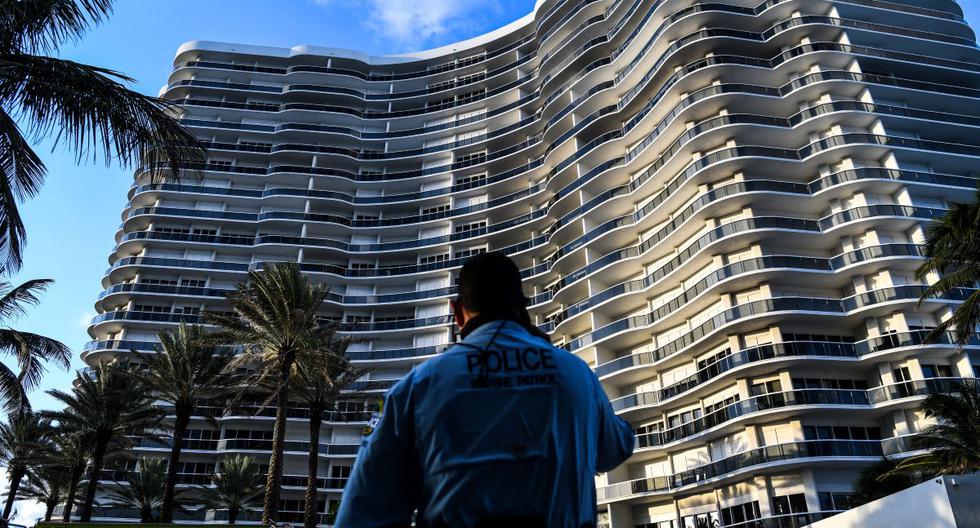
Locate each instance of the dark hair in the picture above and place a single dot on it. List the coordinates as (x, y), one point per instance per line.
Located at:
(490, 285)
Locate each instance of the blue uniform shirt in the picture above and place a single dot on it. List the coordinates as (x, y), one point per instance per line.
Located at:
(516, 429)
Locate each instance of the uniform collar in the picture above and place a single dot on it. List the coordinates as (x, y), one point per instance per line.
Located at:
(478, 322)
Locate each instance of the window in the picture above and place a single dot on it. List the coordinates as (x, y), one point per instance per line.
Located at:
(349, 406)
(768, 387)
(193, 283)
(441, 103)
(173, 230)
(840, 432)
(835, 501)
(937, 371)
(261, 145)
(818, 337)
(700, 519)
(717, 406)
(683, 418)
(815, 383)
(473, 59)
(471, 96)
(433, 259)
(787, 504)
(435, 210)
(471, 180)
(470, 159)
(439, 86)
(472, 226)
(393, 318)
(201, 438)
(160, 282)
(340, 471)
(151, 308)
(710, 367)
(740, 513)
(472, 78)
(466, 253)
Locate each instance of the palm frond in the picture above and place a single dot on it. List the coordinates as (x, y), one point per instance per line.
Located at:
(952, 444)
(42, 25)
(31, 352)
(14, 302)
(90, 109)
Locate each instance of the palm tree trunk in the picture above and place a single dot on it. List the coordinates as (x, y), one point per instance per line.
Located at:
(76, 475)
(52, 501)
(232, 515)
(312, 466)
(180, 431)
(98, 458)
(270, 508)
(16, 474)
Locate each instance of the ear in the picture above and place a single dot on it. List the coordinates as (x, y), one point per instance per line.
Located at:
(458, 317)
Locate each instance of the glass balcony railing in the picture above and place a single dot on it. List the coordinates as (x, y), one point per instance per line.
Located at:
(356, 355)
(785, 399)
(755, 457)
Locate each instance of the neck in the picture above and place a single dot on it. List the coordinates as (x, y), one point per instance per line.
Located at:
(472, 323)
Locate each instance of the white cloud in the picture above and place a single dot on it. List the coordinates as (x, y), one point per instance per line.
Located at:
(415, 24)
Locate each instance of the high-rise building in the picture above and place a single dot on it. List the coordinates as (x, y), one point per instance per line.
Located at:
(720, 206)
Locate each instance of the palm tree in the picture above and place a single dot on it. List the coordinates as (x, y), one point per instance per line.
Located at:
(24, 440)
(953, 442)
(45, 485)
(86, 107)
(31, 351)
(108, 409)
(322, 377)
(953, 252)
(144, 489)
(236, 487)
(73, 452)
(189, 368)
(275, 319)
(881, 479)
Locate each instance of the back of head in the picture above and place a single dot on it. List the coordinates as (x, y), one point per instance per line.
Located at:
(490, 284)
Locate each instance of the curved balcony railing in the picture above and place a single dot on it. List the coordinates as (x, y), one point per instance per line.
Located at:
(795, 451)
(354, 355)
(854, 350)
(372, 77)
(796, 398)
(309, 241)
(353, 111)
(762, 307)
(248, 444)
(343, 326)
(221, 293)
(784, 350)
(769, 262)
(631, 252)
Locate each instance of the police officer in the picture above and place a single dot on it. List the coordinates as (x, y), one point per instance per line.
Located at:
(501, 430)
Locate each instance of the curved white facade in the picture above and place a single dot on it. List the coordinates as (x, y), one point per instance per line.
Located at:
(719, 206)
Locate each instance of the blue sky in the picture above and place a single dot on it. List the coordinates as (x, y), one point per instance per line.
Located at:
(71, 224)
